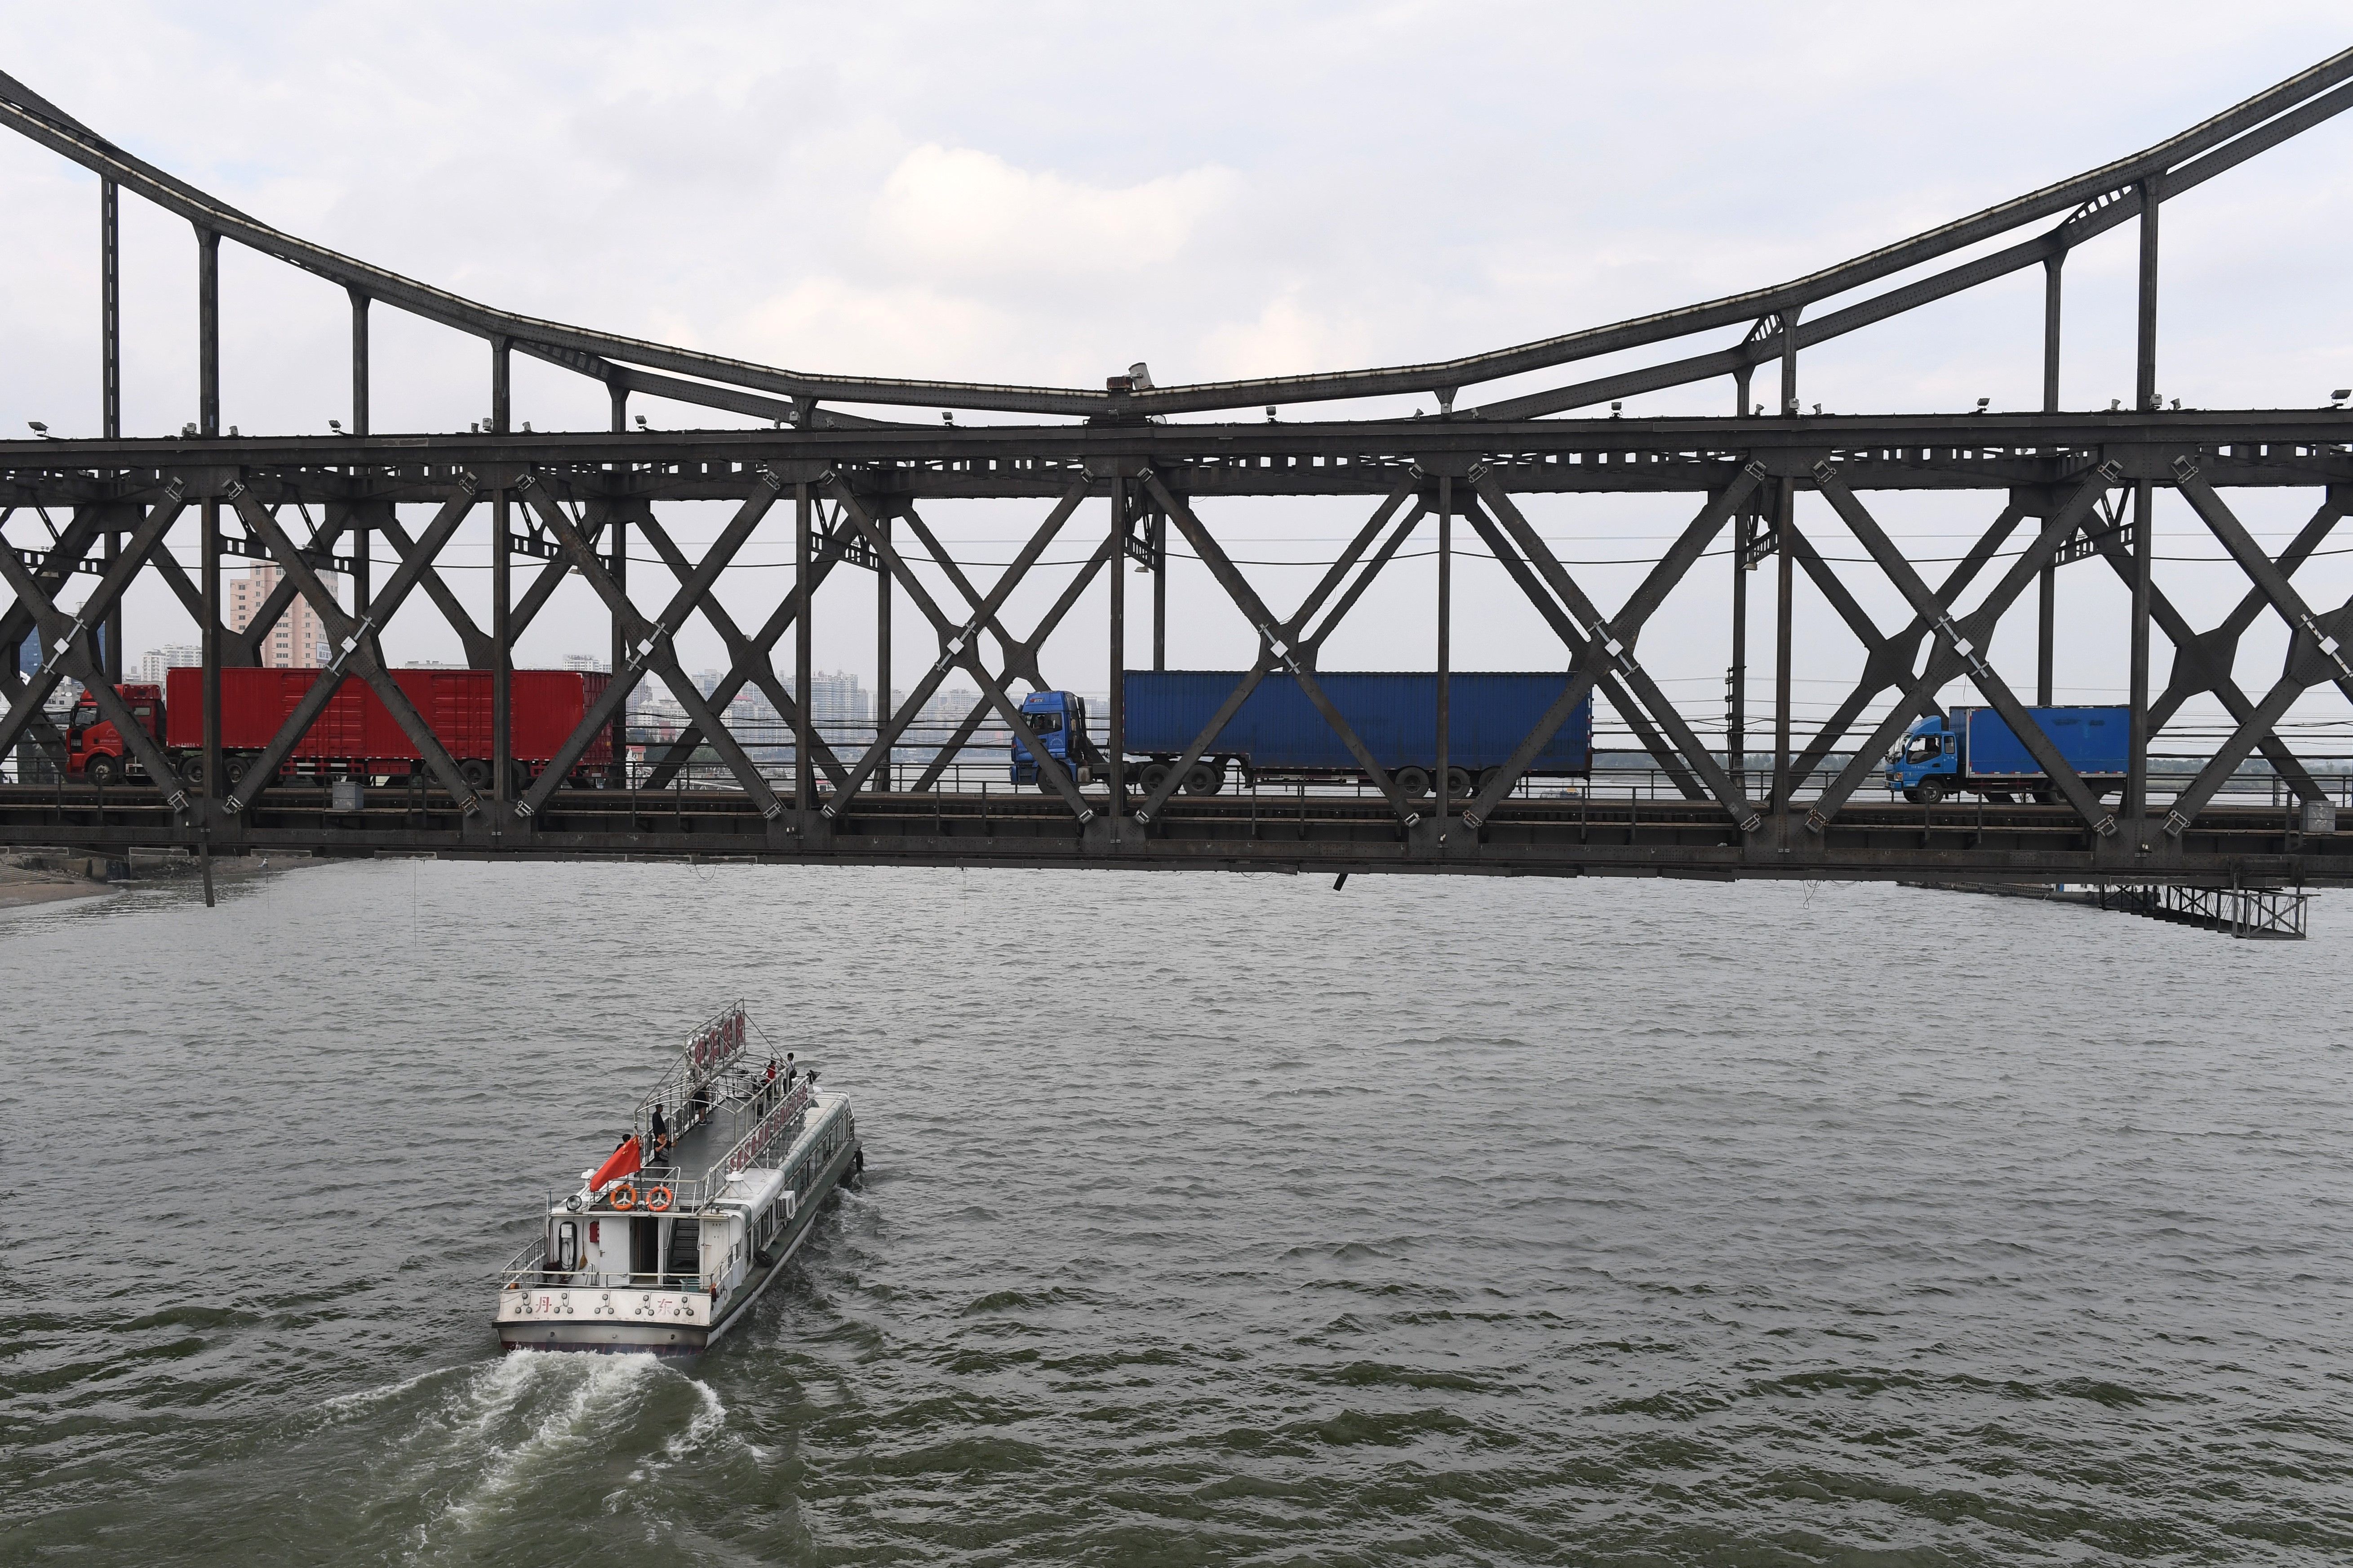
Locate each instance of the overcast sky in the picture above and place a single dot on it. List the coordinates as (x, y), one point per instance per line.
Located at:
(1045, 192)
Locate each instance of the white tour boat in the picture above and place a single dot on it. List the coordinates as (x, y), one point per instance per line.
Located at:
(666, 1246)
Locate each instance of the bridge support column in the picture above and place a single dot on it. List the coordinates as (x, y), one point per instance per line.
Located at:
(2046, 620)
(882, 595)
(359, 370)
(804, 786)
(1784, 600)
(1115, 703)
(502, 790)
(616, 546)
(1445, 645)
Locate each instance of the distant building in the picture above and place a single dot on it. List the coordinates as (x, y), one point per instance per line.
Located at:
(156, 661)
(297, 641)
(839, 698)
(588, 663)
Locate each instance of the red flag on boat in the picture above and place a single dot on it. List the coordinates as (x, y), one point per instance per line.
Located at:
(620, 1162)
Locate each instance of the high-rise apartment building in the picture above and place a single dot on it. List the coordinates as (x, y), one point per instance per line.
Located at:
(155, 662)
(298, 640)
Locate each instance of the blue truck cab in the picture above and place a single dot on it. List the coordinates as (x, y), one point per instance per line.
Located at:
(1973, 750)
(1929, 753)
(1059, 719)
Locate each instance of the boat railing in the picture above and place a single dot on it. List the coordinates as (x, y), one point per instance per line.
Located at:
(778, 1121)
(538, 1276)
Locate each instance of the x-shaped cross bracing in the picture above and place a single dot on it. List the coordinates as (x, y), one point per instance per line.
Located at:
(71, 637)
(1607, 647)
(945, 755)
(1565, 626)
(750, 660)
(959, 644)
(1283, 641)
(1890, 659)
(649, 643)
(1959, 642)
(985, 617)
(57, 565)
(1930, 607)
(354, 640)
(2318, 649)
(358, 650)
(2203, 661)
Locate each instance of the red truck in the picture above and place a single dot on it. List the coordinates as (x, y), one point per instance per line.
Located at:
(355, 735)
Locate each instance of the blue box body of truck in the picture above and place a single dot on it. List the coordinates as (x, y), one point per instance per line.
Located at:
(1278, 731)
(1279, 734)
(1974, 749)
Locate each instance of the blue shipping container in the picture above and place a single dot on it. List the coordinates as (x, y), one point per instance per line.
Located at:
(1396, 715)
(2097, 741)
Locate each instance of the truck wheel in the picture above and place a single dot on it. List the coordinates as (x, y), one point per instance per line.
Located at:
(476, 772)
(521, 775)
(233, 770)
(1458, 783)
(103, 771)
(191, 770)
(1412, 783)
(1929, 792)
(1153, 775)
(1487, 777)
(1203, 779)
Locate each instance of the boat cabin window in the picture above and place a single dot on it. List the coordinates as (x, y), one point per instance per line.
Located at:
(567, 1247)
(1920, 748)
(1043, 724)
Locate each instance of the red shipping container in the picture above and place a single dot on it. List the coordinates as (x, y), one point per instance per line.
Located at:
(355, 728)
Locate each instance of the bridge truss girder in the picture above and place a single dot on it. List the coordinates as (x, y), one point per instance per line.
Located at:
(1418, 474)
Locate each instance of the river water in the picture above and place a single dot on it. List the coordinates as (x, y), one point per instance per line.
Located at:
(1207, 1219)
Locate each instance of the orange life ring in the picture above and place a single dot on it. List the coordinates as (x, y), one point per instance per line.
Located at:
(658, 1200)
(625, 1197)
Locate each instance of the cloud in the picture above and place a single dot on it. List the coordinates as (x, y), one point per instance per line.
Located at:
(971, 213)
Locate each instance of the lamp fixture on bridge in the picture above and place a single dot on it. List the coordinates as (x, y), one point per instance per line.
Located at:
(1614, 409)
(39, 429)
(2341, 394)
(1981, 403)
(947, 415)
(337, 426)
(1139, 377)
(1270, 413)
(641, 421)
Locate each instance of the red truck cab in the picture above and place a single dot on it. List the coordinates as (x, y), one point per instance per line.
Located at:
(94, 747)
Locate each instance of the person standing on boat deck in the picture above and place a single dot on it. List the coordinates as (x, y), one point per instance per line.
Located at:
(662, 1135)
(791, 1071)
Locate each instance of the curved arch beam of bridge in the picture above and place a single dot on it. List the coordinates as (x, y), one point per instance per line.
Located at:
(2099, 199)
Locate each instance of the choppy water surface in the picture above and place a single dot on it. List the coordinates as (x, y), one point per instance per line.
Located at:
(1207, 1219)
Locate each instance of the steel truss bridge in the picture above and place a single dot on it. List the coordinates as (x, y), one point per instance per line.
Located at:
(1109, 468)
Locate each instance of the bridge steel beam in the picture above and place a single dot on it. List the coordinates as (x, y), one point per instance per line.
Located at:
(855, 479)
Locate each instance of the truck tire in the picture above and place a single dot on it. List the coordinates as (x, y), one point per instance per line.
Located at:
(1153, 775)
(191, 770)
(1458, 783)
(103, 771)
(233, 771)
(1413, 782)
(1203, 778)
(1487, 777)
(1929, 792)
(476, 772)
